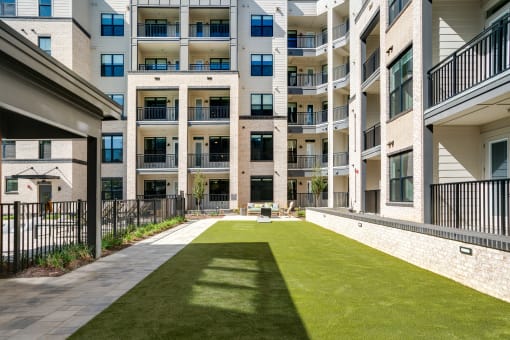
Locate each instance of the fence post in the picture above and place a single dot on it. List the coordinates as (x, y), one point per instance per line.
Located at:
(115, 218)
(137, 212)
(503, 208)
(154, 211)
(17, 232)
(78, 222)
(457, 205)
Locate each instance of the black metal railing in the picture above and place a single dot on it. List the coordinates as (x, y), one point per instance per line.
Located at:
(341, 30)
(481, 206)
(224, 66)
(157, 114)
(372, 201)
(158, 30)
(158, 67)
(208, 202)
(372, 137)
(482, 58)
(208, 113)
(371, 64)
(308, 199)
(306, 162)
(340, 159)
(307, 118)
(307, 80)
(156, 161)
(209, 30)
(340, 112)
(340, 199)
(341, 71)
(34, 230)
(211, 160)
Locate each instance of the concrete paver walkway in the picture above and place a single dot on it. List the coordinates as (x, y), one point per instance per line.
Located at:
(55, 307)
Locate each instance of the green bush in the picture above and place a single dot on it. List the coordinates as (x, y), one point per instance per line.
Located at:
(60, 259)
(301, 213)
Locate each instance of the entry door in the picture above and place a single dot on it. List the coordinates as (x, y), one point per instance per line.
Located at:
(324, 152)
(198, 109)
(292, 151)
(291, 39)
(324, 73)
(200, 29)
(324, 112)
(155, 150)
(155, 108)
(292, 112)
(199, 145)
(292, 75)
(310, 153)
(176, 153)
(309, 114)
(44, 193)
(309, 77)
(498, 159)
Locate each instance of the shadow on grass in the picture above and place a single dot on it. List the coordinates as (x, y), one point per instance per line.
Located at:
(208, 290)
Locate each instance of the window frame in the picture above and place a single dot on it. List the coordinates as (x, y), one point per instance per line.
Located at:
(260, 189)
(259, 69)
(114, 193)
(112, 97)
(400, 6)
(11, 4)
(262, 155)
(14, 180)
(5, 144)
(43, 37)
(216, 197)
(262, 30)
(111, 150)
(400, 84)
(400, 196)
(42, 149)
(117, 30)
(44, 5)
(259, 109)
(117, 70)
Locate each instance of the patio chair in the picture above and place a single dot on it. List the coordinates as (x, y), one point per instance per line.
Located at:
(289, 210)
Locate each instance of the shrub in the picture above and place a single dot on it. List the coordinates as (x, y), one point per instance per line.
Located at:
(60, 259)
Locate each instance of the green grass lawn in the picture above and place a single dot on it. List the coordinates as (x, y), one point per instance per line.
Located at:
(294, 280)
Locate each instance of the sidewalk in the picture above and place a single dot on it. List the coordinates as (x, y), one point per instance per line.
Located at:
(53, 308)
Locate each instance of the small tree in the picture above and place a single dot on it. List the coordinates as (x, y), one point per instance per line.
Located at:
(318, 185)
(199, 187)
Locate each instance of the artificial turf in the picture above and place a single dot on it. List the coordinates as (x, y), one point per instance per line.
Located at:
(295, 280)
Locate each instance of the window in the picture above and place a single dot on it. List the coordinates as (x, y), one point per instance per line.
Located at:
(401, 84)
(11, 185)
(45, 8)
(112, 65)
(112, 25)
(8, 8)
(8, 149)
(44, 44)
(156, 64)
(111, 149)
(396, 6)
(261, 189)
(261, 25)
(401, 177)
(44, 149)
(261, 146)
(119, 99)
(218, 190)
(261, 104)
(219, 149)
(292, 189)
(111, 188)
(261, 64)
(154, 189)
(220, 28)
(216, 64)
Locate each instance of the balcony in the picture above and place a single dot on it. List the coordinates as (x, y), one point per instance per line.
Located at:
(340, 199)
(158, 67)
(177, 3)
(371, 65)
(340, 113)
(306, 162)
(208, 202)
(480, 206)
(224, 66)
(307, 80)
(372, 201)
(480, 60)
(307, 41)
(210, 161)
(158, 30)
(372, 137)
(209, 30)
(341, 31)
(340, 159)
(212, 113)
(156, 161)
(307, 118)
(151, 114)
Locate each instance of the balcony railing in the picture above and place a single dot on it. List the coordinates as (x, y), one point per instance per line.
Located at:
(208, 202)
(158, 30)
(157, 114)
(481, 206)
(340, 199)
(372, 137)
(481, 59)
(210, 67)
(307, 80)
(213, 160)
(371, 64)
(341, 30)
(340, 159)
(209, 31)
(158, 67)
(307, 118)
(372, 201)
(306, 162)
(341, 71)
(308, 41)
(209, 113)
(156, 161)
(308, 199)
(340, 112)
(162, 3)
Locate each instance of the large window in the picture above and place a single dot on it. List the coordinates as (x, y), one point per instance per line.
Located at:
(261, 146)
(261, 104)
(219, 64)
(45, 8)
(261, 25)
(11, 185)
(395, 7)
(112, 149)
(119, 99)
(401, 84)
(401, 177)
(111, 188)
(112, 65)
(219, 149)
(44, 44)
(8, 149)
(261, 189)
(44, 149)
(261, 64)
(112, 25)
(154, 189)
(8, 8)
(218, 190)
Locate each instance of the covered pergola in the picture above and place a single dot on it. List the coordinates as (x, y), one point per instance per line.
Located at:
(40, 98)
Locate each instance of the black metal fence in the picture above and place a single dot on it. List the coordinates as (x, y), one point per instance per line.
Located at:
(208, 113)
(156, 161)
(205, 160)
(34, 230)
(371, 64)
(157, 113)
(308, 199)
(158, 30)
(340, 199)
(158, 67)
(372, 137)
(209, 31)
(481, 206)
(372, 201)
(484, 57)
(208, 202)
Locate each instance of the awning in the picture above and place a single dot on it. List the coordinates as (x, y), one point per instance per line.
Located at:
(34, 176)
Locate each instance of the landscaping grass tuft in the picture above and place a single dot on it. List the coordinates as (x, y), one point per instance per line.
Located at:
(294, 280)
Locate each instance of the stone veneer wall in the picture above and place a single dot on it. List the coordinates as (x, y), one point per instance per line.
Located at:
(430, 247)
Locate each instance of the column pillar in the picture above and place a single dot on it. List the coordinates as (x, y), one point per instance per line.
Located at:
(93, 196)
(183, 140)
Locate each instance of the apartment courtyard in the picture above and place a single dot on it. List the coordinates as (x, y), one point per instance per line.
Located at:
(242, 279)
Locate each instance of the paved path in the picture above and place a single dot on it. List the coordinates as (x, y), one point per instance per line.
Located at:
(53, 308)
